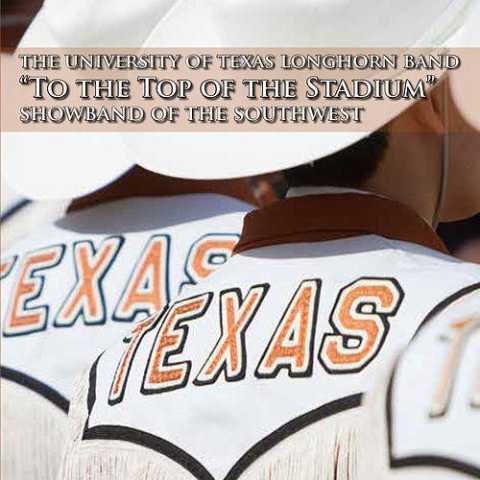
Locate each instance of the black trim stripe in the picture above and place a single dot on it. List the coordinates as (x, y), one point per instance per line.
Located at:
(290, 428)
(181, 457)
(445, 303)
(35, 385)
(187, 461)
(14, 209)
(138, 437)
(92, 382)
(132, 435)
(437, 462)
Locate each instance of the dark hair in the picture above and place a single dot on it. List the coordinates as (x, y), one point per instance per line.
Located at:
(350, 167)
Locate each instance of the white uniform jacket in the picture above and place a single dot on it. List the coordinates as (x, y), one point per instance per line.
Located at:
(71, 288)
(425, 417)
(258, 373)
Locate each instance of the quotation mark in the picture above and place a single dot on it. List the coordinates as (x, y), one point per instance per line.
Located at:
(24, 79)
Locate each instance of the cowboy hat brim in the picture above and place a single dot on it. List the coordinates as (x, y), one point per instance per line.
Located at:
(238, 154)
(57, 165)
(464, 88)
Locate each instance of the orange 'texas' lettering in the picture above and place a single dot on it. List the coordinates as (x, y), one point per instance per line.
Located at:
(21, 317)
(147, 290)
(7, 266)
(208, 253)
(132, 342)
(161, 375)
(86, 298)
(360, 321)
(229, 352)
(460, 333)
(292, 344)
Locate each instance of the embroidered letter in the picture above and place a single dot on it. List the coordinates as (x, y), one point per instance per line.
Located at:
(161, 375)
(207, 254)
(460, 334)
(86, 299)
(147, 290)
(360, 321)
(22, 317)
(132, 341)
(6, 266)
(292, 344)
(229, 353)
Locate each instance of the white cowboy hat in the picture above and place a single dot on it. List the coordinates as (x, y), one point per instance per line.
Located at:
(462, 83)
(281, 24)
(67, 165)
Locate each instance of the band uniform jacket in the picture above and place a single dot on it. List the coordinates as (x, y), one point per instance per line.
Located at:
(70, 288)
(424, 416)
(259, 372)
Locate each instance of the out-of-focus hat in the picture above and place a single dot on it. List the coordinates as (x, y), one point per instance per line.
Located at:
(300, 24)
(66, 165)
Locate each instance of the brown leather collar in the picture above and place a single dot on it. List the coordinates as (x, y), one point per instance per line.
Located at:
(314, 218)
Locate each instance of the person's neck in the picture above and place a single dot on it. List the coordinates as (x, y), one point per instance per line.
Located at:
(410, 172)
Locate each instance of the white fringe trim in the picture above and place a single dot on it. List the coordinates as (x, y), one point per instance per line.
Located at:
(112, 460)
(33, 434)
(328, 450)
(374, 436)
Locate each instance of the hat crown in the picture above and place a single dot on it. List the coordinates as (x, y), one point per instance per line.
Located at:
(93, 24)
(317, 23)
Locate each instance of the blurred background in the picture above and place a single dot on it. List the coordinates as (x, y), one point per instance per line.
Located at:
(462, 238)
(16, 16)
